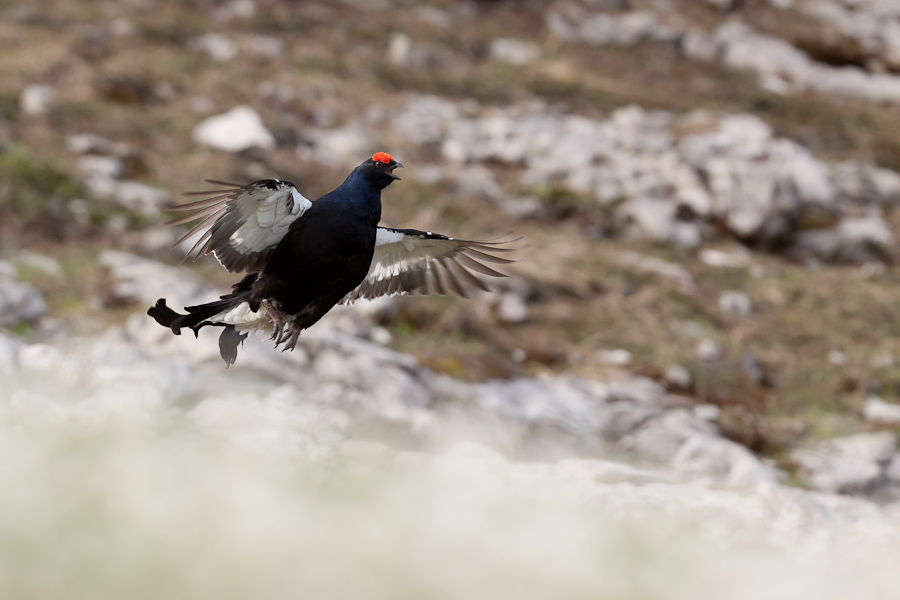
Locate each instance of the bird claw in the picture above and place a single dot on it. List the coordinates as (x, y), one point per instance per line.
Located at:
(291, 340)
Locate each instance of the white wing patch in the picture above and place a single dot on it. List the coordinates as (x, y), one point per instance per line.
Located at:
(410, 261)
(244, 224)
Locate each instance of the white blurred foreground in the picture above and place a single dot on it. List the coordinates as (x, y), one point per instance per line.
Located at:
(217, 506)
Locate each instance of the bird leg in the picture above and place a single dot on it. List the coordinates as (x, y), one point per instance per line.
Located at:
(277, 319)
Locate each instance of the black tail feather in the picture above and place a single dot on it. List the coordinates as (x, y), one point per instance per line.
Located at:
(197, 318)
(167, 317)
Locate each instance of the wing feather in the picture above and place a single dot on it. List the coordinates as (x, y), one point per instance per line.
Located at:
(242, 224)
(409, 261)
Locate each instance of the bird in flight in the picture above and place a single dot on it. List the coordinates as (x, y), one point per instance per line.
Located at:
(300, 258)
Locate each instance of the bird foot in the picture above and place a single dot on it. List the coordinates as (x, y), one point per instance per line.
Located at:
(277, 320)
(290, 338)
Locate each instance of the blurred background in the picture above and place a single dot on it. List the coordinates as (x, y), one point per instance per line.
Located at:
(706, 291)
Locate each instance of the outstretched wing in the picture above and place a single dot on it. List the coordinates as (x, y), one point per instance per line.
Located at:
(243, 223)
(408, 261)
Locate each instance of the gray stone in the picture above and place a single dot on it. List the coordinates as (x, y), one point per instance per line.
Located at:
(216, 46)
(877, 410)
(678, 377)
(735, 302)
(109, 167)
(708, 349)
(729, 259)
(725, 462)
(515, 52)
(657, 266)
(403, 53)
(849, 464)
(91, 143)
(617, 357)
(512, 308)
(19, 302)
(37, 99)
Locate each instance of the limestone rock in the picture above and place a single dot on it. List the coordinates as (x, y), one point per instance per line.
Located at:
(238, 129)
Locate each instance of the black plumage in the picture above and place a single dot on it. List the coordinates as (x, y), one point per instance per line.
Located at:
(302, 257)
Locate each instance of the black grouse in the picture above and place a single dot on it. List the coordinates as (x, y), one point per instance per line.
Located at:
(302, 257)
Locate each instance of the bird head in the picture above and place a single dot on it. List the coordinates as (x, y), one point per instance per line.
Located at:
(380, 169)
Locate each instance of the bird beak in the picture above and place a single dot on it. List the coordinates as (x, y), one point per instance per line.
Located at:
(394, 166)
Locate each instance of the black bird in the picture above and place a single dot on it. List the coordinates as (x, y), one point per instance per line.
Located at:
(302, 257)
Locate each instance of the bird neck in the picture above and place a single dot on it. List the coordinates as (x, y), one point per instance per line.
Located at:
(359, 195)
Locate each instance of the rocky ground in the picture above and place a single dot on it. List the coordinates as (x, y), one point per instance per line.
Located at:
(694, 357)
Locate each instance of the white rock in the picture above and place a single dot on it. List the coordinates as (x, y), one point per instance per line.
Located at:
(514, 51)
(238, 129)
(218, 47)
(876, 409)
(720, 258)
(264, 46)
(110, 167)
(404, 54)
(735, 302)
(37, 99)
(696, 45)
(91, 143)
(853, 463)
(618, 357)
(512, 308)
(19, 302)
(726, 462)
(657, 266)
(7, 270)
(140, 198)
(678, 377)
(38, 262)
(836, 357)
(708, 349)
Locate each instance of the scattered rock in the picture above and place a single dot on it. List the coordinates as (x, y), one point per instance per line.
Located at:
(218, 47)
(877, 410)
(37, 262)
(736, 303)
(836, 357)
(264, 46)
(726, 171)
(238, 129)
(678, 377)
(404, 54)
(617, 357)
(37, 99)
(19, 303)
(91, 143)
(855, 239)
(512, 308)
(571, 23)
(850, 464)
(658, 266)
(515, 52)
(708, 349)
(720, 258)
